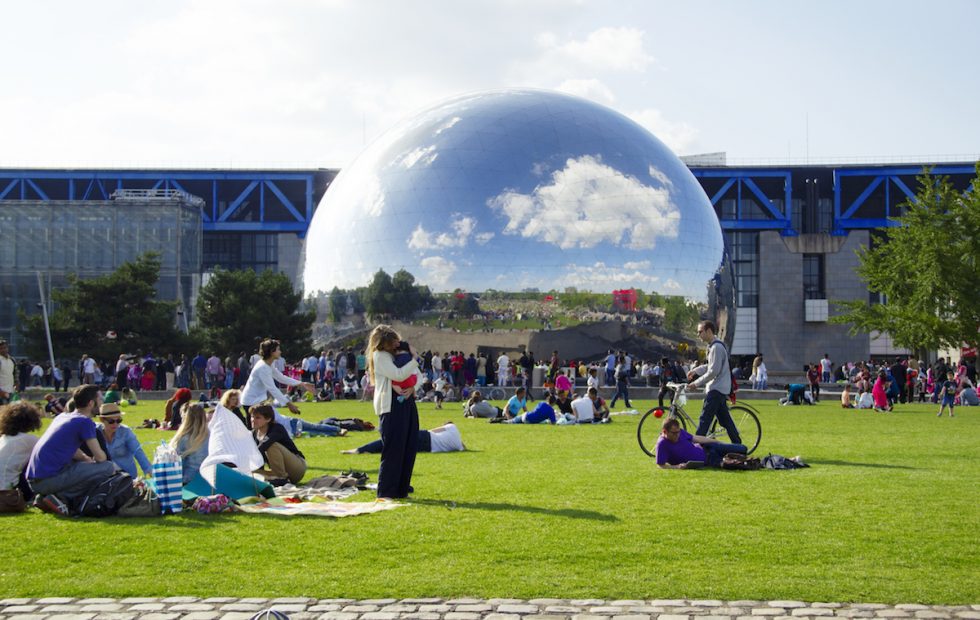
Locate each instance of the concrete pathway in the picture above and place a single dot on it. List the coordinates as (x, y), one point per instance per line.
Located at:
(192, 608)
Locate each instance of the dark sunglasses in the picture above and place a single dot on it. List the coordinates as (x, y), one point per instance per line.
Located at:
(112, 420)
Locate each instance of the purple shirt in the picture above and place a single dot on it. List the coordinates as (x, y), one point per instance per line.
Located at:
(684, 450)
(56, 448)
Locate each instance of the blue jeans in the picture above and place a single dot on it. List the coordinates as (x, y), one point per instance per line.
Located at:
(715, 452)
(74, 480)
(716, 406)
(621, 390)
(312, 429)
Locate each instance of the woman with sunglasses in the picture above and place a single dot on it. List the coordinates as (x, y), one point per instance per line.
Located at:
(124, 448)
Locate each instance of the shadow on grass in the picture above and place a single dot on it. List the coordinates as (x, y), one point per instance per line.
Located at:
(853, 464)
(571, 513)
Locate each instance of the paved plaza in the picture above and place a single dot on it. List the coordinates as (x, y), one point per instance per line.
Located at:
(192, 608)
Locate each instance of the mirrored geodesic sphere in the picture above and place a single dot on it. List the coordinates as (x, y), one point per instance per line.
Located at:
(514, 190)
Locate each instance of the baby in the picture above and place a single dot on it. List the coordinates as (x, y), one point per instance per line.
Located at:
(402, 357)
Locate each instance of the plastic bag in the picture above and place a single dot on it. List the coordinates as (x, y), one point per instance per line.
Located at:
(167, 477)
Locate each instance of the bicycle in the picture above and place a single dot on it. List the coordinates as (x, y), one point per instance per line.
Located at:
(746, 421)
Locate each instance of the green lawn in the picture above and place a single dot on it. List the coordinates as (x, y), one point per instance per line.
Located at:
(889, 512)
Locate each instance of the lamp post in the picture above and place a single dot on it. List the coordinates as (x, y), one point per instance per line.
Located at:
(47, 327)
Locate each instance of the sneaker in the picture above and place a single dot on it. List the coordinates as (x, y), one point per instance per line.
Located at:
(51, 504)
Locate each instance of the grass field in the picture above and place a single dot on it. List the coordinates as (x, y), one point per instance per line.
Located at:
(889, 512)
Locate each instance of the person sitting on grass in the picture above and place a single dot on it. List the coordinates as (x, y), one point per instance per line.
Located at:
(286, 463)
(122, 446)
(191, 440)
(54, 405)
(845, 397)
(677, 448)
(880, 392)
(476, 407)
(172, 410)
(543, 412)
(516, 404)
(443, 438)
(864, 399)
(947, 392)
(17, 421)
(232, 401)
(59, 471)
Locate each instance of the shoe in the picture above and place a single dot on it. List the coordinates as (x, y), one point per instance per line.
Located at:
(342, 433)
(279, 482)
(51, 504)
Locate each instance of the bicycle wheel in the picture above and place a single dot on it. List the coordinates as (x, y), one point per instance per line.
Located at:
(747, 423)
(496, 394)
(648, 431)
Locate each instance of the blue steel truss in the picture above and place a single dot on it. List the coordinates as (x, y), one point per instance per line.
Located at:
(886, 179)
(234, 200)
(742, 179)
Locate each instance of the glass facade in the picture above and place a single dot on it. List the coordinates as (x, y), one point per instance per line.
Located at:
(232, 251)
(743, 247)
(813, 277)
(91, 238)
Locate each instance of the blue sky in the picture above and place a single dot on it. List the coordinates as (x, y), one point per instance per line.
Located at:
(307, 83)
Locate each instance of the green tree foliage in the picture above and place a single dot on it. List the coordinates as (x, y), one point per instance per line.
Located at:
(338, 304)
(680, 317)
(927, 270)
(396, 296)
(237, 309)
(463, 303)
(123, 302)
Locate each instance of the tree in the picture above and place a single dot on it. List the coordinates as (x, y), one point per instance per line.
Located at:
(338, 304)
(396, 296)
(378, 295)
(107, 315)
(238, 309)
(680, 317)
(926, 268)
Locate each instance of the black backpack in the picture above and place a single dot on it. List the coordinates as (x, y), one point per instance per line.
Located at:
(105, 498)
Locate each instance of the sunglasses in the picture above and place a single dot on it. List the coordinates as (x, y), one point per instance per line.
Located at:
(112, 420)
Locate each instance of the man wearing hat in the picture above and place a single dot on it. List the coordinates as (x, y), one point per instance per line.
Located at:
(58, 468)
(124, 448)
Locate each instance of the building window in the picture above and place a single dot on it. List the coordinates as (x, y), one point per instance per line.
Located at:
(744, 250)
(813, 277)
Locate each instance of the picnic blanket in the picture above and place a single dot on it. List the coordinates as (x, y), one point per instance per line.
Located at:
(308, 492)
(314, 508)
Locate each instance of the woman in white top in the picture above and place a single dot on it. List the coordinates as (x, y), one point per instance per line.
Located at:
(262, 380)
(399, 417)
(17, 422)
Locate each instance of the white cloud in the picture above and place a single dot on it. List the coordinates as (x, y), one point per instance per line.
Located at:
(679, 136)
(660, 176)
(616, 49)
(672, 285)
(590, 88)
(462, 229)
(439, 270)
(426, 155)
(447, 125)
(637, 264)
(484, 238)
(588, 203)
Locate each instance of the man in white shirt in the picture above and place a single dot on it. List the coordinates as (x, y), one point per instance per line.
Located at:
(6, 373)
(825, 367)
(88, 370)
(503, 369)
(584, 410)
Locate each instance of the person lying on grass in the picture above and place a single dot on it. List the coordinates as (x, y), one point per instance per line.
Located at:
(678, 449)
(443, 438)
(544, 412)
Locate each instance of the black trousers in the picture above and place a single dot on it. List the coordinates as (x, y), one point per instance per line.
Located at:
(399, 445)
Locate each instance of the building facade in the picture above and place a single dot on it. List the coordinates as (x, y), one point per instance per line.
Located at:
(793, 233)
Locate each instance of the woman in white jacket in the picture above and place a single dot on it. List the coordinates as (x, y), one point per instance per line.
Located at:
(398, 415)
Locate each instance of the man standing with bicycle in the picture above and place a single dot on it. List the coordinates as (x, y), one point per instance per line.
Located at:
(716, 377)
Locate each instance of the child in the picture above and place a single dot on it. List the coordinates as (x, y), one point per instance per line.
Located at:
(845, 397)
(880, 392)
(864, 400)
(947, 391)
(403, 357)
(439, 386)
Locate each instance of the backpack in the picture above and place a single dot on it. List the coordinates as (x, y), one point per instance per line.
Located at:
(737, 460)
(105, 498)
(777, 461)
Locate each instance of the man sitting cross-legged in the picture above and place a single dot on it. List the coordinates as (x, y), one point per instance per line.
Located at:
(677, 448)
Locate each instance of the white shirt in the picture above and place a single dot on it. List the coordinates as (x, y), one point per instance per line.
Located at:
(7, 374)
(439, 385)
(88, 366)
(15, 451)
(436, 363)
(584, 409)
(446, 438)
(37, 371)
(825, 364)
(121, 365)
(385, 372)
(503, 362)
(865, 401)
(593, 382)
(262, 383)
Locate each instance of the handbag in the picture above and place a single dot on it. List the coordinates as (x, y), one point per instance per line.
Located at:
(12, 501)
(167, 478)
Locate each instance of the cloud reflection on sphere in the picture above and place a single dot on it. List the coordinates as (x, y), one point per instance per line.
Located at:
(515, 190)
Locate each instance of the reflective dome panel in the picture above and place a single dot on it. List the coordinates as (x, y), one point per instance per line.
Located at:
(514, 190)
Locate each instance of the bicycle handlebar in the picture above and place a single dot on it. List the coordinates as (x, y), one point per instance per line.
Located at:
(677, 386)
